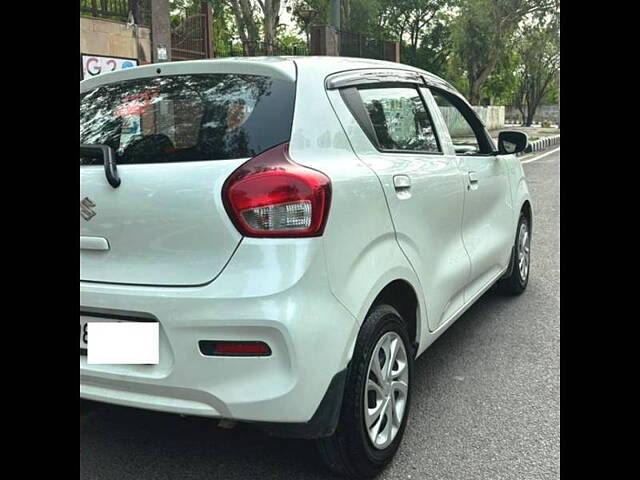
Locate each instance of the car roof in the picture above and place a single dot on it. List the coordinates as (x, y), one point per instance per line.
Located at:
(328, 65)
(280, 66)
(276, 67)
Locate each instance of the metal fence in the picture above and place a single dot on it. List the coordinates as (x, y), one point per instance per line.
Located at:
(356, 45)
(118, 10)
(189, 38)
(257, 49)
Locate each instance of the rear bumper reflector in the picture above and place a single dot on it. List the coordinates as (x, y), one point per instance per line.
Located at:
(219, 348)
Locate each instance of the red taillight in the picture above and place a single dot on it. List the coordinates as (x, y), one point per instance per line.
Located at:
(272, 196)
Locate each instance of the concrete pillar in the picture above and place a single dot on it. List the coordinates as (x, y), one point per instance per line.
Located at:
(324, 41)
(160, 28)
(392, 51)
(335, 14)
(208, 28)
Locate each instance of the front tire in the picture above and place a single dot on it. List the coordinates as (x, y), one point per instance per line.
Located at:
(376, 399)
(518, 279)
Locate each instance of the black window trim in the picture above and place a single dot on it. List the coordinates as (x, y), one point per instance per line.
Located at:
(485, 142)
(354, 103)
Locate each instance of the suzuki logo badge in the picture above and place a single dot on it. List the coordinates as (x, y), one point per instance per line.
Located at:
(86, 208)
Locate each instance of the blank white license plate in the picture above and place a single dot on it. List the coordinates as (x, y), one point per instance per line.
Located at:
(119, 342)
(84, 336)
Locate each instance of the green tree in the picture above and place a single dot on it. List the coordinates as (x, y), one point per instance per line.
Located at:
(435, 50)
(361, 16)
(539, 50)
(455, 74)
(271, 19)
(306, 13)
(246, 19)
(224, 29)
(483, 27)
(500, 86)
(178, 9)
(410, 20)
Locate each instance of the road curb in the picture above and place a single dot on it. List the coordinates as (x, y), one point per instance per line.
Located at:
(543, 143)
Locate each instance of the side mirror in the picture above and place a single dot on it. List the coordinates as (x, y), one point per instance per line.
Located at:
(511, 142)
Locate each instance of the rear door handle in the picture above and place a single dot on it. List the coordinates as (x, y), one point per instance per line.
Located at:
(473, 181)
(93, 243)
(401, 182)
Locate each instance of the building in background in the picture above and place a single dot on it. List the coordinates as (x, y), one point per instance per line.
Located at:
(117, 34)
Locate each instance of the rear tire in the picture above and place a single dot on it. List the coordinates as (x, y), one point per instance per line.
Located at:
(518, 279)
(370, 431)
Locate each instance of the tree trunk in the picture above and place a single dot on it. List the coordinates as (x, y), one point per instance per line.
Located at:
(532, 107)
(346, 10)
(415, 31)
(237, 14)
(271, 9)
(250, 25)
(268, 27)
(474, 90)
(529, 121)
(476, 81)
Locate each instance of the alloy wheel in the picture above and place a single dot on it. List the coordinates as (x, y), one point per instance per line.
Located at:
(386, 390)
(524, 246)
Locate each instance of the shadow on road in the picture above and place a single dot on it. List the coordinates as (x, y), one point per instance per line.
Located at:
(122, 443)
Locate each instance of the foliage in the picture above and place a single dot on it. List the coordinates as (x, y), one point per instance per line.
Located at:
(435, 49)
(500, 86)
(539, 51)
(179, 8)
(306, 13)
(482, 47)
(224, 28)
(361, 16)
(288, 41)
(410, 20)
(484, 27)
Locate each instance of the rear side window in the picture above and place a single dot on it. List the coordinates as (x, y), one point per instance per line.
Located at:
(186, 118)
(399, 119)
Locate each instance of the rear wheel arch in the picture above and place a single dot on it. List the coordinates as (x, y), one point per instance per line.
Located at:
(401, 295)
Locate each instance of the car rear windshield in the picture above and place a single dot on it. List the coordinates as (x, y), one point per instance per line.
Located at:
(187, 118)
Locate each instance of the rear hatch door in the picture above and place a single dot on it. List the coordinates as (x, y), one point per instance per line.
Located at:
(176, 137)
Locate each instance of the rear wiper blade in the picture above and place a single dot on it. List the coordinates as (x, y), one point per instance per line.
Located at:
(109, 158)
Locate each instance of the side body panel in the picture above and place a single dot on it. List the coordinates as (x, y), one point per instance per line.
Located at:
(361, 251)
(426, 217)
(487, 224)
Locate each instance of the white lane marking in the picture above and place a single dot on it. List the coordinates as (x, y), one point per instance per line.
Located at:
(541, 156)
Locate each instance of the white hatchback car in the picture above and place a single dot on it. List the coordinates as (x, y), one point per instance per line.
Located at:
(301, 229)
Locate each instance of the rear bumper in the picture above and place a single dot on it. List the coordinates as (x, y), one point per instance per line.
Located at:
(271, 291)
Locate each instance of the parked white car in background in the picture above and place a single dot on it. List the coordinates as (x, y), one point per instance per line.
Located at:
(300, 228)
